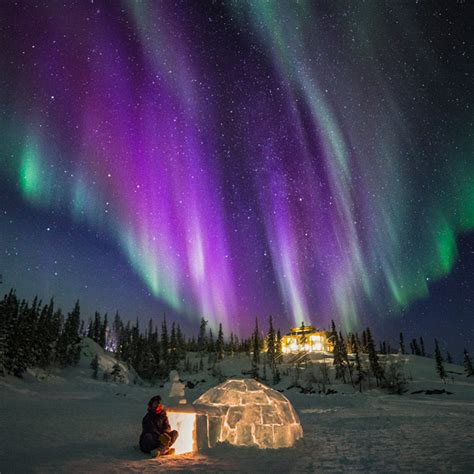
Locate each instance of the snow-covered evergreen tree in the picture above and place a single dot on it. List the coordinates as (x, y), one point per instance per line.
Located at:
(256, 348)
(278, 349)
(116, 374)
(271, 344)
(374, 363)
(422, 347)
(468, 368)
(360, 374)
(220, 343)
(345, 357)
(180, 343)
(173, 349)
(103, 332)
(202, 338)
(96, 327)
(439, 362)
(95, 366)
(338, 360)
(164, 345)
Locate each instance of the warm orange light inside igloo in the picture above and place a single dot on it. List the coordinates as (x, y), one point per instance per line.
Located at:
(184, 421)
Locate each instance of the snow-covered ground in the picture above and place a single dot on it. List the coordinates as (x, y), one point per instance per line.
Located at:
(72, 423)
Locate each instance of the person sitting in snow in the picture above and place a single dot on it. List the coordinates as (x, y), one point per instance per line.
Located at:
(157, 437)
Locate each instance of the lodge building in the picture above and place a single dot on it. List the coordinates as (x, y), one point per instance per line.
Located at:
(306, 338)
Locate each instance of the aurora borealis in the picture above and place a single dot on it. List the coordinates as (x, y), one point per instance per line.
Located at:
(312, 160)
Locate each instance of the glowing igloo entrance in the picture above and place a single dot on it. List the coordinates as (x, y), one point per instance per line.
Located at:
(246, 413)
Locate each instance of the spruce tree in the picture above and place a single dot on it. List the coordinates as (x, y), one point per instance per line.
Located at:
(165, 345)
(89, 328)
(345, 358)
(95, 366)
(116, 373)
(75, 339)
(3, 343)
(220, 343)
(468, 368)
(30, 336)
(180, 343)
(48, 332)
(173, 349)
(357, 341)
(117, 328)
(353, 343)
(338, 360)
(358, 366)
(255, 351)
(364, 342)
(211, 345)
(236, 343)
(69, 350)
(136, 346)
(271, 344)
(449, 358)
(422, 347)
(124, 343)
(202, 339)
(150, 332)
(415, 348)
(278, 348)
(103, 332)
(439, 362)
(374, 362)
(19, 345)
(55, 329)
(96, 327)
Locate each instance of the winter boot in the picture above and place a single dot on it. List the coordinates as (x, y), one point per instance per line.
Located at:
(168, 452)
(154, 453)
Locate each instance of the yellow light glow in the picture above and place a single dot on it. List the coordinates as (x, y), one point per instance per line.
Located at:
(309, 342)
(185, 424)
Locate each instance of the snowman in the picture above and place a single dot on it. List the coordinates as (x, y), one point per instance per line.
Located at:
(176, 394)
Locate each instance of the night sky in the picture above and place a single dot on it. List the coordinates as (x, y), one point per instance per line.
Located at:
(309, 160)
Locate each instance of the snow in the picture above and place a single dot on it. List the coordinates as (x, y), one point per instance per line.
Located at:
(106, 362)
(64, 421)
(247, 413)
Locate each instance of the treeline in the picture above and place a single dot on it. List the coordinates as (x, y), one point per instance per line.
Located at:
(357, 361)
(37, 335)
(33, 334)
(157, 350)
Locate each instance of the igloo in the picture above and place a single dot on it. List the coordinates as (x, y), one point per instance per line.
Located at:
(246, 413)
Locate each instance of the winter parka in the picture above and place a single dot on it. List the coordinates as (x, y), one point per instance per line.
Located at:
(153, 424)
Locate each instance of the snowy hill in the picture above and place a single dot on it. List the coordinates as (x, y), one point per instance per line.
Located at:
(82, 373)
(106, 362)
(70, 422)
